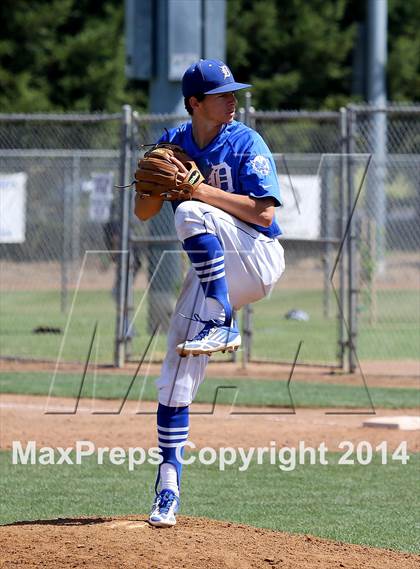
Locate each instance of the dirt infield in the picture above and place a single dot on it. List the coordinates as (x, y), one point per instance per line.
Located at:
(23, 418)
(195, 543)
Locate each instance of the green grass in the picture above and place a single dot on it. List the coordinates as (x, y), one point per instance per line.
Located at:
(22, 312)
(376, 505)
(395, 335)
(248, 392)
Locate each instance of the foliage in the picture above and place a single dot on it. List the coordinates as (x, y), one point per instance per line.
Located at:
(404, 49)
(299, 54)
(63, 55)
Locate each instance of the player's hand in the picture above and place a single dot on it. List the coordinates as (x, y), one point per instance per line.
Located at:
(166, 173)
(182, 170)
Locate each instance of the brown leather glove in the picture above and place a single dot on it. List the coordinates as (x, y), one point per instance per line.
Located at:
(158, 176)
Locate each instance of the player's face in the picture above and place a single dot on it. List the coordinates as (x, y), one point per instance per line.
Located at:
(219, 108)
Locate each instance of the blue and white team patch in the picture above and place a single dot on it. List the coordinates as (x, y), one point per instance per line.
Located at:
(260, 165)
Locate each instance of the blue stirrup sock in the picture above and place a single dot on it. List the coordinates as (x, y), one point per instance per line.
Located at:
(208, 259)
(172, 427)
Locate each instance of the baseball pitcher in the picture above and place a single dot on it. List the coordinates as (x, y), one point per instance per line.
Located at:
(221, 180)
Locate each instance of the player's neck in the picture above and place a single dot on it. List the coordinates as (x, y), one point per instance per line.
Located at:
(204, 132)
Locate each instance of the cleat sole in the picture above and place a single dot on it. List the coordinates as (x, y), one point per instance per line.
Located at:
(160, 524)
(183, 352)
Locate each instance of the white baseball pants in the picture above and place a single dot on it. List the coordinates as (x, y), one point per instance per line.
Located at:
(253, 264)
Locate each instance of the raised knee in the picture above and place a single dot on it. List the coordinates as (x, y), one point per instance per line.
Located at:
(181, 213)
(188, 219)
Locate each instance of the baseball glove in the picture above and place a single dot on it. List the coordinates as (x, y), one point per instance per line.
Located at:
(158, 176)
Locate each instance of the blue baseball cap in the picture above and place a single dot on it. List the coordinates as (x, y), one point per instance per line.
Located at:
(208, 77)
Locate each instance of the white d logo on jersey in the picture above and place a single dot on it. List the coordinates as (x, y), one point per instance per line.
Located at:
(226, 71)
(260, 165)
(221, 177)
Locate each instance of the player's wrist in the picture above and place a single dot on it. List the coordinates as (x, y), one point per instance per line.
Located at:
(200, 192)
(205, 189)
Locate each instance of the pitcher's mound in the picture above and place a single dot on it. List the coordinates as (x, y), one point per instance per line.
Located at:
(194, 543)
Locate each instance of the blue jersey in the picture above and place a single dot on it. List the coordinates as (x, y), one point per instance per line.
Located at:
(237, 160)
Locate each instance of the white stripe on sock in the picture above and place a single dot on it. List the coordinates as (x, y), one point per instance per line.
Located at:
(214, 278)
(172, 429)
(208, 263)
(173, 437)
(211, 269)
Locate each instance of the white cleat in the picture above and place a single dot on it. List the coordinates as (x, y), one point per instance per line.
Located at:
(164, 508)
(213, 338)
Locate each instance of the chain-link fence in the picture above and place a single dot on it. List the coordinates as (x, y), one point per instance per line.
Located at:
(305, 304)
(346, 284)
(303, 312)
(165, 273)
(56, 197)
(385, 277)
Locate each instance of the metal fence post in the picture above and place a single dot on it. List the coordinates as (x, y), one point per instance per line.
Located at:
(66, 239)
(122, 264)
(342, 341)
(247, 310)
(351, 246)
(131, 247)
(75, 237)
(326, 232)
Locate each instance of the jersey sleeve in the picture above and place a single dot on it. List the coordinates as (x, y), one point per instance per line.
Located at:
(165, 137)
(174, 135)
(258, 173)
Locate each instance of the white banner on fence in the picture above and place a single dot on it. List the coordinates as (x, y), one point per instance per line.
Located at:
(300, 216)
(101, 197)
(12, 207)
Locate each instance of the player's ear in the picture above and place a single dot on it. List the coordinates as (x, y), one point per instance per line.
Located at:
(194, 103)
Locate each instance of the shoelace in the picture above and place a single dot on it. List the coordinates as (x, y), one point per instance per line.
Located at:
(196, 318)
(166, 501)
(206, 330)
(208, 325)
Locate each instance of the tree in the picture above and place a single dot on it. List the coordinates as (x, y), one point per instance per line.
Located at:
(404, 49)
(64, 55)
(299, 55)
